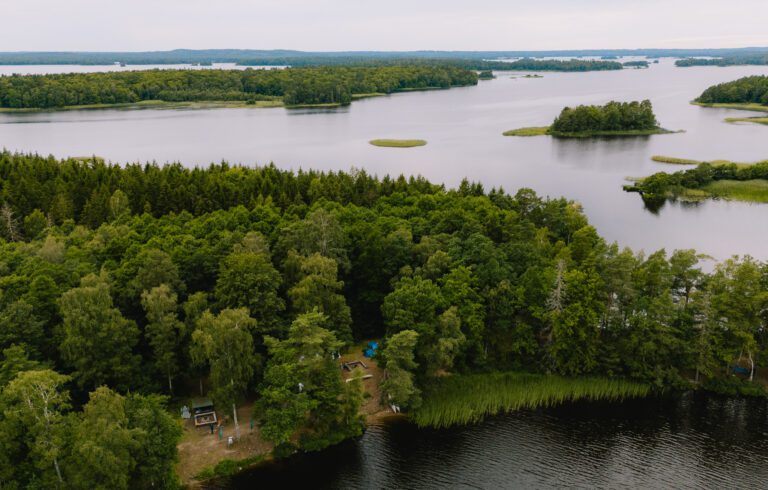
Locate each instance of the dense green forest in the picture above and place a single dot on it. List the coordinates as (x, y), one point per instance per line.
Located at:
(747, 90)
(122, 285)
(289, 57)
(758, 58)
(613, 116)
(636, 64)
(525, 64)
(295, 86)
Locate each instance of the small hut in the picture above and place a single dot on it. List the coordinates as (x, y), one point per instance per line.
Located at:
(204, 413)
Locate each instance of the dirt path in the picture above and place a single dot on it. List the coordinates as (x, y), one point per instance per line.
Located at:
(200, 449)
(373, 407)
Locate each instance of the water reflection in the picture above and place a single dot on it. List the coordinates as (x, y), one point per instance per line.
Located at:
(691, 441)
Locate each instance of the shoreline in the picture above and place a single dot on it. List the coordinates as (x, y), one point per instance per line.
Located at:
(546, 131)
(751, 106)
(384, 417)
(211, 104)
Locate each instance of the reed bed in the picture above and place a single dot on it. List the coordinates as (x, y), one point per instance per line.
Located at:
(674, 160)
(461, 400)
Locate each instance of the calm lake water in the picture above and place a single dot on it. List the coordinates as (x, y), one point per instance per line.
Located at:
(463, 127)
(694, 441)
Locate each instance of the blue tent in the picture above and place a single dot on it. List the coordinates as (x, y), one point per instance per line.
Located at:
(369, 353)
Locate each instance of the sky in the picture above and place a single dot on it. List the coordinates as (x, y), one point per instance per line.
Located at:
(391, 25)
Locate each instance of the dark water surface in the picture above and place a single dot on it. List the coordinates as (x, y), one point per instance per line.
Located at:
(463, 127)
(688, 442)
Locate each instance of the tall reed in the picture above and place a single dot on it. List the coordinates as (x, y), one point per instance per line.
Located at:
(459, 400)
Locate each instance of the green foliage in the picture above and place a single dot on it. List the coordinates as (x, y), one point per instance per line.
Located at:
(747, 90)
(303, 393)
(457, 400)
(720, 179)
(399, 387)
(123, 442)
(248, 279)
(295, 86)
(614, 116)
(390, 143)
(164, 330)
(756, 58)
(34, 402)
(103, 443)
(530, 131)
(218, 270)
(318, 289)
(156, 455)
(97, 340)
(225, 343)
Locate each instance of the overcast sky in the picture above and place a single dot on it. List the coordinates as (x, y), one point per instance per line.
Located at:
(335, 25)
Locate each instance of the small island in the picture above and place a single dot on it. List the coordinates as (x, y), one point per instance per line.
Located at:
(718, 179)
(636, 64)
(392, 143)
(486, 75)
(611, 119)
(747, 94)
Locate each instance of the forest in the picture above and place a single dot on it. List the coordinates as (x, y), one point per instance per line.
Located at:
(122, 286)
(757, 58)
(747, 90)
(613, 116)
(294, 86)
(467, 64)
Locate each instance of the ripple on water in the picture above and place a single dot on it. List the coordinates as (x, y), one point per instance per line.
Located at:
(687, 442)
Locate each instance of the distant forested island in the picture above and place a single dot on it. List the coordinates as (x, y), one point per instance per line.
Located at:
(636, 64)
(525, 64)
(291, 87)
(612, 119)
(293, 57)
(757, 58)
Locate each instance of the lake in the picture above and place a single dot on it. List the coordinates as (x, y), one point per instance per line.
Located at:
(691, 441)
(463, 127)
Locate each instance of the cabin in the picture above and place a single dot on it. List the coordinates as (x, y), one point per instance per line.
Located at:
(204, 413)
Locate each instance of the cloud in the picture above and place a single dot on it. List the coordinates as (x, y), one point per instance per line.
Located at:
(367, 25)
